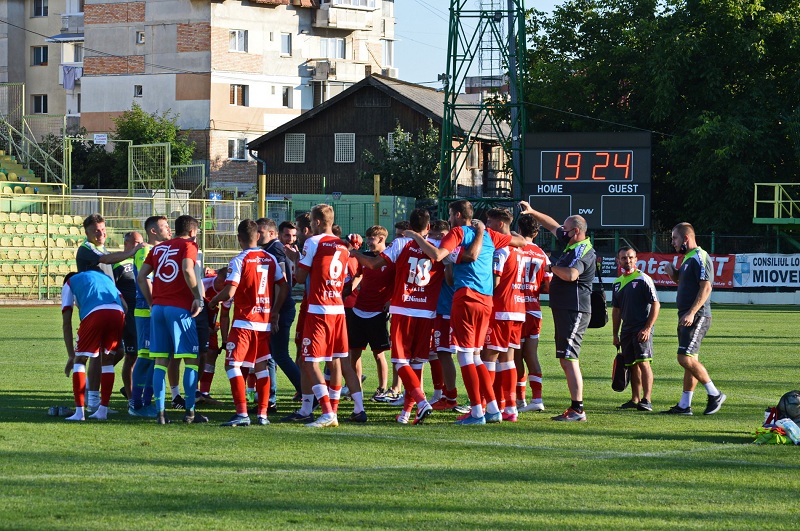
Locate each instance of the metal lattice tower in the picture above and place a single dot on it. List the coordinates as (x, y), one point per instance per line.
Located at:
(487, 41)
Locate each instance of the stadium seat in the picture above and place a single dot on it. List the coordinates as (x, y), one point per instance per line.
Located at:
(63, 230)
(7, 190)
(31, 268)
(13, 177)
(12, 281)
(55, 254)
(24, 217)
(13, 254)
(18, 268)
(3, 281)
(35, 254)
(19, 228)
(26, 281)
(63, 269)
(5, 241)
(18, 190)
(36, 218)
(73, 230)
(55, 218)
(41, 228)
(13, 217)
(24, 254)
(30, 228)
(16, 241)
(6, 269)
(8, 228)
(29, 190)
(39, 242)
(3, 217)
(60, 242)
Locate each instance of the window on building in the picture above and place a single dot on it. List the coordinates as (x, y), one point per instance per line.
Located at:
(360, 3)
(390, 142)
(345, 147)
(286, 43)
(388, 53)
(287, 97)
(138, 92)
(40, 8)
(39, 55)
(294, 148)
(40, 104)
(140, 37)
(237, 148)
(237, 41)
(77, 53)
(239, 95)
(388, 8)
(472, 156)
(332, 48)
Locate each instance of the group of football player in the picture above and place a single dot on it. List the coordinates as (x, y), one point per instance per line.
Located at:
(442, 288)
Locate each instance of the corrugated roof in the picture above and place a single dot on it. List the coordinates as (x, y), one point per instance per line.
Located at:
(427, 101)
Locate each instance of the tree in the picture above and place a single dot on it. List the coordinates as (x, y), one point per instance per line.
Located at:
(142, 128)
(716, 82)
(409, 166)
(90, 161)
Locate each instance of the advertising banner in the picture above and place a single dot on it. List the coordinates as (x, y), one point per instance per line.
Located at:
(654, 264)
(767, 270)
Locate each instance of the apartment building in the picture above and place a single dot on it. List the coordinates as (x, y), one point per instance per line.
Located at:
(232, 70)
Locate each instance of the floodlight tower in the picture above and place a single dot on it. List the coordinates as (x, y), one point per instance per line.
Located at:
(482, 134)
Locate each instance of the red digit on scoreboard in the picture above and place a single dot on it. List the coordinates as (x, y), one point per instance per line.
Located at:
(574, 166)
(626, 165)
(594, 169)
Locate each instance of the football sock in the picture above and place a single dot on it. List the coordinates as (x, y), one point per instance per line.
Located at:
(262, 388)
(536, 385)
(93, 398)
(470, 376)
(509, 384)
(577, 405)
(237, 390)
(686, 399)
(437, 376)
(358, 401)
(711, 389)
(101, 413)
(206, 378)
(411, 383)
(139, 380)
(451, 395)
(190, 385)
(321, 392)
(491, 366)
(79, 385)
(521, 383)
(308, 405)
(334, 394)
(160, 386)
(106, 384)
(408, 403)
(175, 390)
(78, 415)
(405, 415)
(484, 380)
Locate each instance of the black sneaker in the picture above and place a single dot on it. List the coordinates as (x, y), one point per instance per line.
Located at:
(192, 417)
(644, 405)
(272, 409)
(178, 402)
(714, 403)
(677, 410)
(358, 417)
(630, 404)
(124, 392)
(162, 418)
(299, 417)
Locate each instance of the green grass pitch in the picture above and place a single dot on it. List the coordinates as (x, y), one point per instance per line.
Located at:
(619, 469)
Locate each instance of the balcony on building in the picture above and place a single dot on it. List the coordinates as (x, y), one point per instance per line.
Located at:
(325, 69)
(346, 14)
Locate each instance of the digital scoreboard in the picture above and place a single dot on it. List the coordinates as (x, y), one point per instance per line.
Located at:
(604, 177)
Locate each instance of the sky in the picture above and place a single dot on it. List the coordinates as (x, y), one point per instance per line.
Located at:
(421, 33)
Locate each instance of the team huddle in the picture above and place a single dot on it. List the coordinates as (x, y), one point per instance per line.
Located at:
(440, 288)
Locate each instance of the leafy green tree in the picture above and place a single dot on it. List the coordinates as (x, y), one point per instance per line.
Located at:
(90, 161)
(410, 165)
(143, 128)
(715, 81)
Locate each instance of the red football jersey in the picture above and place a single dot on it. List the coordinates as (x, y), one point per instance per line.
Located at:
(531, 272)
(376, 288)
(325, 257)
(169, 286)
(254, 272)
(508, 301)
(352, 272)
(418, 279)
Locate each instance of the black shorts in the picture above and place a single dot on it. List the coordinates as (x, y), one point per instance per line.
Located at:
(203, 331)
(570, 327)
(372, 331)
(690, 337)
(635, 352)
(129, 336)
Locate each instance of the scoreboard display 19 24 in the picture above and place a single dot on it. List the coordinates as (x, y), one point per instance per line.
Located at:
(604, 177)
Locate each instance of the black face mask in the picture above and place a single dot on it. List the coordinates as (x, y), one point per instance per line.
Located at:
(565, 238)
(683, 249)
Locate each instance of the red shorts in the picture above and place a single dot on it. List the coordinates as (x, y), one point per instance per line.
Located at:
(441, 341)
(469, 320)
(411, 338)
(298, 331)
(532, 327)
(100, 330)
(324, 337)
(246, 347)
(503, 335)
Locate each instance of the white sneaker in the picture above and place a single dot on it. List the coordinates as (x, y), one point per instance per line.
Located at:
(100, 414)
(521, 403)
(533, 406)
(401, 400)
(328, 420)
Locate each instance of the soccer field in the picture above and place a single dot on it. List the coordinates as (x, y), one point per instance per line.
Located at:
(621, 468)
